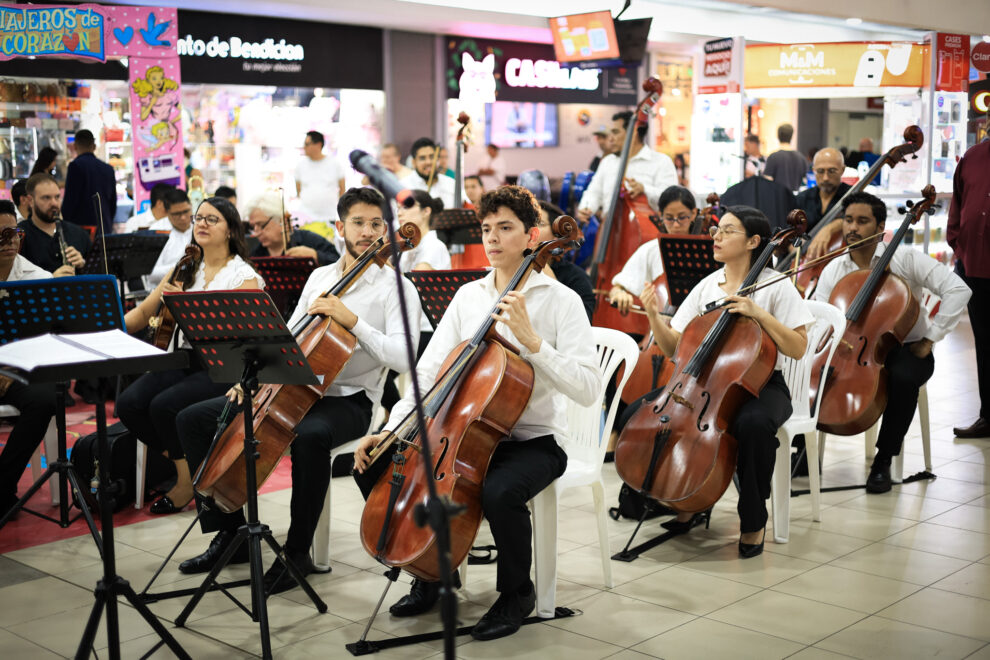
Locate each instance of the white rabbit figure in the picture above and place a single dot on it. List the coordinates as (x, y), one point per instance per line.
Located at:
(477, 82)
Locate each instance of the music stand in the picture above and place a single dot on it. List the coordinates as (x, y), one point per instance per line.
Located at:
(687, 259)
(458, 227)
(29, 308)
(284, 278)
(437, 288)
(127, 256)
(240, 336)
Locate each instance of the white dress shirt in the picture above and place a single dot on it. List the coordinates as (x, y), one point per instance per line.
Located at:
(443, 187)
(431, 250)
(381, 340)
(565, 366)
(174, 250)
(781, 300)
(920, 272)
(652, 169)
(25, 269)
(493, 181)
(142, 220)
(643, 266)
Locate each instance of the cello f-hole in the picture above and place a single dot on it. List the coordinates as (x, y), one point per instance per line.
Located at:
(437, 475)
(861, 358)
(702, 426)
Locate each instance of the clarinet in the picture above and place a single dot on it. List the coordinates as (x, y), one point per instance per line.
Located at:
(62, 247)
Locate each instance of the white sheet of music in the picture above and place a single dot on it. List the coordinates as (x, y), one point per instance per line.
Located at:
(46, 350)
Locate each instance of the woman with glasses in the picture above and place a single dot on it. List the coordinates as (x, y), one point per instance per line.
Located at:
(430, 253)
(148, 407)
(269, 225)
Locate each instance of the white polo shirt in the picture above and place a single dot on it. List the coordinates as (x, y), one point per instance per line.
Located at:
(643, 266)
(652, 169)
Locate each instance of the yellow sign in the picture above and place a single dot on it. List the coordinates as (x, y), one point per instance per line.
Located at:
(849, 64)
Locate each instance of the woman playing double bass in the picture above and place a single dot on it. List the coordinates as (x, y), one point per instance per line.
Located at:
(739, 238)
(548, 324)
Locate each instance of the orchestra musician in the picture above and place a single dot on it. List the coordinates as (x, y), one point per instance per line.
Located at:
(41, 242)
(564, 270)
(148, 407)
(430, 253)
(911, 364)
(370, 310)
(178, 210)
(739, 237)
(474, 189)
(427, 176)
(269, 224)
(548, 324)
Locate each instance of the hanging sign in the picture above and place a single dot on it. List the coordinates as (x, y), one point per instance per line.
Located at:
(853, 64)
(52, 31)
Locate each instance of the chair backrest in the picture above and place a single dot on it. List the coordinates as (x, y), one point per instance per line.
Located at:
(587, 433)
(377, 412)
(823, 337)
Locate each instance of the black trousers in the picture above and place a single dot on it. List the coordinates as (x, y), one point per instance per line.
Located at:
(755, 429)
(36, 405)
(979, 318)
(518, 471)
(149, 406)
(905, 376)
(331, 422)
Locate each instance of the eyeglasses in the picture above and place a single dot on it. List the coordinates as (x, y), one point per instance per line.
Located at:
(725, 231)
(376, 225)
(211, 220)
(257, 229)
(832, 171)
(684, 217)
(10, 234)
(179, 214)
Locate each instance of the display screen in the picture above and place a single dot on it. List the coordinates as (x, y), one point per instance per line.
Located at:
(584, 37)
(509, 124)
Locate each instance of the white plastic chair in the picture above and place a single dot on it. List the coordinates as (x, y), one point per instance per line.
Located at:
(51, 452)
(587, 441)
(823, 337)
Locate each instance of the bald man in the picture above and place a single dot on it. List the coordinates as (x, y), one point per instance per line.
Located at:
(819, 200)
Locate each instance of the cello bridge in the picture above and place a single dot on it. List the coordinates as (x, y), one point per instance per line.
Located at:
(681, 400)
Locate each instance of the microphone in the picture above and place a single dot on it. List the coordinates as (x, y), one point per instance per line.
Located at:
(381, 178)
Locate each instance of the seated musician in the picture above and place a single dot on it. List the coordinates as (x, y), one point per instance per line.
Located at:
(35, 403)
(779, 309)
(370, 310)
(178, 210)
(40, 242)
(909, 366)
(547, 322)
(564, 270)
(474, 189)
(678, 212)
(148, 407)
(648, 172)
(263, 216)
(430, 253)
(426, 171)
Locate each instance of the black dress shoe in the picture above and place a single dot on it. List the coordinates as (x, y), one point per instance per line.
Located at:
(505, 616)
(683, 527)
(278, 578)
(750, 550)
(206, 561)
(978, 429)
(421, 598)
(164, 505)
(879, 480)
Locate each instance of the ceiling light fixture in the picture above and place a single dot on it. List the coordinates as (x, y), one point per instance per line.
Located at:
(854, 21)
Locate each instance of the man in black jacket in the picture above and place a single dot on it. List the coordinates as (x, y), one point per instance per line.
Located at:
(87, 175)
(817, 201)
(41, 243)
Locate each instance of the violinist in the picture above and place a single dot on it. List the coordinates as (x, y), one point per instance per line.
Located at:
(739, 238)
(148, 407)
(548, 324)
(269, 224)
(909, 365)
(678, 212)
(648, 172)
(370, 311)
(564, 270)
(819, 200)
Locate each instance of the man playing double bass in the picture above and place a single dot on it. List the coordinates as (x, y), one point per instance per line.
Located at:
(369, 309)
(548, 323)
(910, 365)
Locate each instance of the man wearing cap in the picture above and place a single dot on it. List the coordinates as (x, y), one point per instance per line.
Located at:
(602, 136)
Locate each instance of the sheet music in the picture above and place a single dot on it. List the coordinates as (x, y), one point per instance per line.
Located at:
(48, 350)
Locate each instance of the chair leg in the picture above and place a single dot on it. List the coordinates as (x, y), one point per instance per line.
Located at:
(926, 432)
(463, 570)
(51, 454)
(811, 441)
(140, 463)
(870, 440)
(780, 489)
(320, 549)
(545, 550)
(598, 490)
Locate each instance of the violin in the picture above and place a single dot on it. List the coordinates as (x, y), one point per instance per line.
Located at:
(482, 389)
(678, 449)
(880, 312)
(463, 139)
(278, 409)
(807, 279)
(627, 223)
(163, 323)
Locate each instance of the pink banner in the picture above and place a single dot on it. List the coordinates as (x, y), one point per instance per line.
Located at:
(155, 123)
(141, 31)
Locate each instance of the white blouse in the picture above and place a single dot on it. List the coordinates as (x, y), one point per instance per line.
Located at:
(234, 273)
(433, 251)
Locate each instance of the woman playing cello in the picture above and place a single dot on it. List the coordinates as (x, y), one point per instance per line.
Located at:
(739, 238)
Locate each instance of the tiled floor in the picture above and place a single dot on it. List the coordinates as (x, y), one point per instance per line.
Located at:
(905, 575)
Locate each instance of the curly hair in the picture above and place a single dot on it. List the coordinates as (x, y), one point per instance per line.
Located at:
(517, 199)
(142, 87)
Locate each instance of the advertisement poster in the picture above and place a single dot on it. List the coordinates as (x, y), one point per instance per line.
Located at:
(53, 31)
(852, 64)
(720, 68)
(951, 62)
(156, 114)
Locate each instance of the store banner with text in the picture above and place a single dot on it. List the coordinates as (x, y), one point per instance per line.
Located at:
(156, 115)
(720, 68)
(951, 62)
(849, 64)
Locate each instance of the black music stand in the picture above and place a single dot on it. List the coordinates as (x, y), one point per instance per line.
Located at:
(127, 256)
(284, 278)
(437, 288)
(240, 336)
(30, 308)
(458, 227)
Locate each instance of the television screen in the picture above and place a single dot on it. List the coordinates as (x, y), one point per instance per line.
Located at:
(509, 124)
(584, 37)
(633, 36)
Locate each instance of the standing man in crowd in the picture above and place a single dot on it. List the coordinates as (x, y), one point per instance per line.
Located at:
(319, 179)
(755, 162)
(86, 176)
(601, 136)
(786, 166)
(22, 204)
(492, 170)
(819, 200)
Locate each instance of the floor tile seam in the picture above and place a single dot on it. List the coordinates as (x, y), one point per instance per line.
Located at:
(955, 506)
(31, 641)
(836, 632)
(977, 651)
(920, 584)
(756, 586)
(669, 607)
(918, 625)
(963, 529)
(957, 593)
(201, 635)
(914, 523)
(758, 632)
(818, 648)
(853, 609)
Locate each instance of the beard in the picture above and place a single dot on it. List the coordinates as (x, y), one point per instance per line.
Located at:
(47, 218)
(354, 249)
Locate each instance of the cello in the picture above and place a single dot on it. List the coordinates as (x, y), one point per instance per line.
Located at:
(279, 408)
(163, 323)
(481, 390)
(461, 144)
(880, 311)
(807, 279)
(626, 225)
(678, 449)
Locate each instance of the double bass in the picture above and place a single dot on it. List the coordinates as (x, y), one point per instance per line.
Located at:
(880, 312)
(163, 323)
(481, 390)
(807, 279)
(679, 449)
(461, 145)
(279, 408)
(627, 224)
